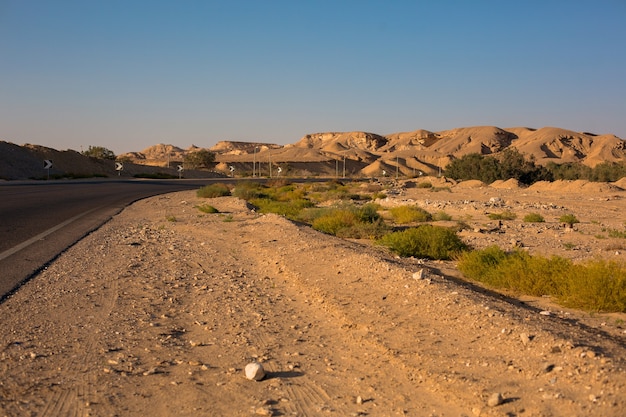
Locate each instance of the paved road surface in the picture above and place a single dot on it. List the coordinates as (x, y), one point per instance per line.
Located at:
(38, 220)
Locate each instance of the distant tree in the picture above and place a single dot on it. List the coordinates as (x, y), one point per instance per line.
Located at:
(569, 171)
(199, 159)
(608, 172)
(508, 164)
(99, 152)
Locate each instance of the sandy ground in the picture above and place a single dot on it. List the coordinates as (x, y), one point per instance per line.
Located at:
(158, 312)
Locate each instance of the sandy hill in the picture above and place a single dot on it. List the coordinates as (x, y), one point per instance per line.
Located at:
(27, 162)
(369, 153)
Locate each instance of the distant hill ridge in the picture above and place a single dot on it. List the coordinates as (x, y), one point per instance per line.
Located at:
(364, 153)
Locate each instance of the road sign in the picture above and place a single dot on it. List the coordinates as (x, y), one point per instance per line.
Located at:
(119, 166)
(232, 168)
(180, 168)
(47, 164)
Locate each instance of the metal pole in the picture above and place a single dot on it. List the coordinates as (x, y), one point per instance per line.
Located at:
(254, 163)
(397, 166)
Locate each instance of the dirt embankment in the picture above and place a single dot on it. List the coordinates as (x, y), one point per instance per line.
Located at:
(158, 312)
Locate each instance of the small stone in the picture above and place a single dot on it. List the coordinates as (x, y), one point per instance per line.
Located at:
(254, 371)
(544, 313)
(495, 400)
(418, 275)
(359, 400)
(524, 338)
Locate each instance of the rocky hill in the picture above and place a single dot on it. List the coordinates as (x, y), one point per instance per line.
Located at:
(359, 153)
(365, 153)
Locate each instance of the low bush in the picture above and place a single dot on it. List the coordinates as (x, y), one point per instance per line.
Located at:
(290, 209)
(534, 218)
(617, 233)
(505, 215)
(425, 241)
(346, 221)
(569, 219)
(592, 286)
(248, 190)
(441, 216)
(409, 214)
(206, 208)
(335, 220)
(425, 184)
(213, 190)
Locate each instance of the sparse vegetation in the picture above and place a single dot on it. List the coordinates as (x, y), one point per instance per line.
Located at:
(617, 233)
(409, 214)
(441, 216)
(213, 190)
(505, 215)
(206, 208)
(592, 286)
(425, 241)
(170, 218)
(569, 219)
(425, 184)
(534, 218)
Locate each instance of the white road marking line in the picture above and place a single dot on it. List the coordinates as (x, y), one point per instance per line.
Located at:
(40, 236)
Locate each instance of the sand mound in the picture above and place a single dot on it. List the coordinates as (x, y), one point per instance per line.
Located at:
(577, 186)
(510, 184)
(471, 184)
(621, 183)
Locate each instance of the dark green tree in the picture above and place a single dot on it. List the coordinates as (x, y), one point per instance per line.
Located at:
(99, 152)
(199, 159)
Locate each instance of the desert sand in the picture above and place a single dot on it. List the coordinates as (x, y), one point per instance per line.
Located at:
(159, 311)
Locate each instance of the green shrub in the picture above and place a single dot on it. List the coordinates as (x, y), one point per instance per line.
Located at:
(409, 214)
(441, 216)
(569, 219)
(592, 286)
(595, 286)
(616, 233)
(534, 218)
(213, 190)
(206, 208)
(248, 190)
(364, 230)
(425, 241)
(290, 208)
(334, 221)
(505, 215)
(424, 184)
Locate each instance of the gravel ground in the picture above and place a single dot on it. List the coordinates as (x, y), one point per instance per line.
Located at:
(159, 311)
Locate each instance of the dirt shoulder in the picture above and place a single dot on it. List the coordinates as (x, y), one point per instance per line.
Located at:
(158, 312)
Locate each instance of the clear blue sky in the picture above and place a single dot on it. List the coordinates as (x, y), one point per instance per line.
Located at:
(130, 74)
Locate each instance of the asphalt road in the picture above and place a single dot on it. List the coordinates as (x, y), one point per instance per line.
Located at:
(39, 220)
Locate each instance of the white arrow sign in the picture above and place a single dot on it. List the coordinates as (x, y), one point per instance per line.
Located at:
(180, 168)
(232, 168)
(119, 166)
(280, 170)
(47, 164)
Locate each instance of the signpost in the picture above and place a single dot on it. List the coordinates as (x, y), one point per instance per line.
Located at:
(232, 170)
(47, 164)
(180, 171)
(119, 167)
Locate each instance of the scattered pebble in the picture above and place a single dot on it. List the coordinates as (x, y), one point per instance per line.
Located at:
(495, 400)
